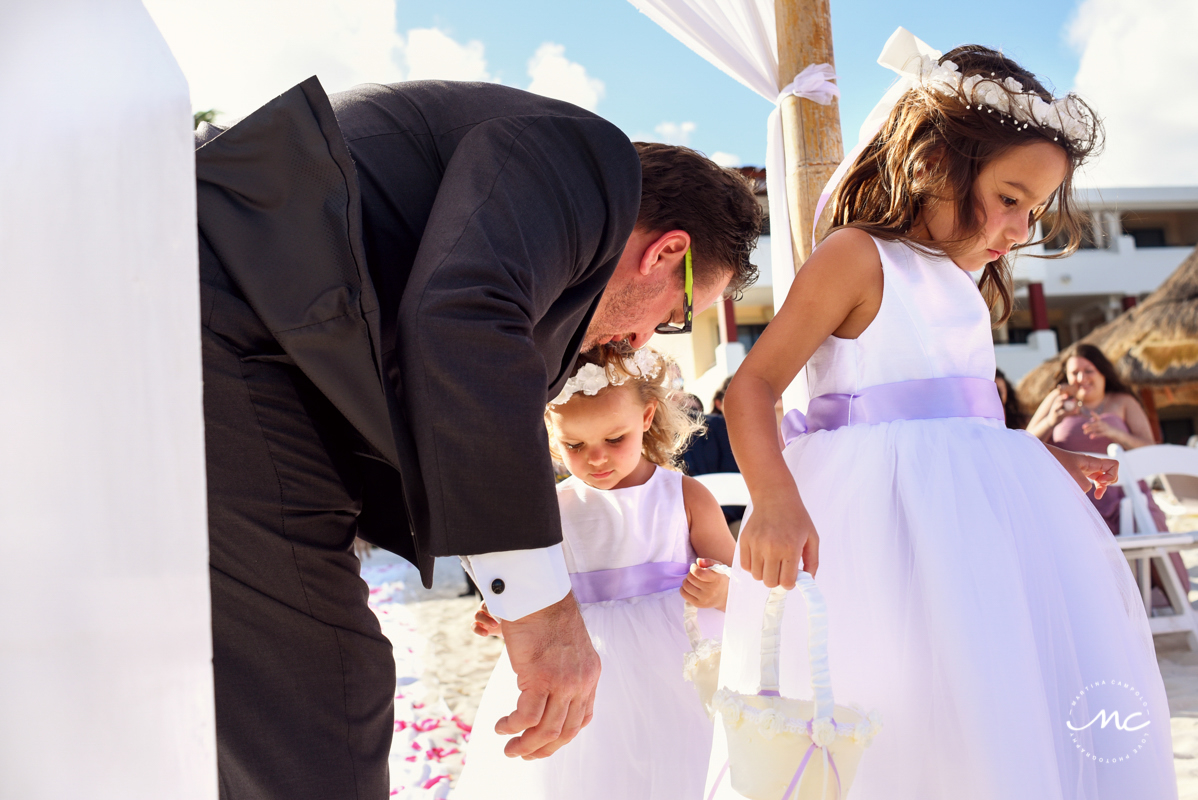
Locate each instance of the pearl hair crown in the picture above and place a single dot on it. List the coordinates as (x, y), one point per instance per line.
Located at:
(1064, 115)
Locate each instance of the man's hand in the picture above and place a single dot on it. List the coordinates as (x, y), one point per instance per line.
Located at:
(1086, 469)
(557, 671)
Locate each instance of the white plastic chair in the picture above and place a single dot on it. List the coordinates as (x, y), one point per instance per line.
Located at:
(728, 487)
(1143, 544)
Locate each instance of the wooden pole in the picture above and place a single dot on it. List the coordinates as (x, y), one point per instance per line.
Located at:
(810, 131)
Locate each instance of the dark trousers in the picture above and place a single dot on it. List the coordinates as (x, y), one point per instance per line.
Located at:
(304, 677)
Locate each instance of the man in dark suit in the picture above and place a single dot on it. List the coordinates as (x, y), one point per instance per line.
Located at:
(393, 285)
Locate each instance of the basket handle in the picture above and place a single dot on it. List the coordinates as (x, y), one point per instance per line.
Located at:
(817, 643)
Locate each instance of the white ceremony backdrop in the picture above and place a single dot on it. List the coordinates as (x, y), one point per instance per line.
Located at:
(105, 644)
(740, 37)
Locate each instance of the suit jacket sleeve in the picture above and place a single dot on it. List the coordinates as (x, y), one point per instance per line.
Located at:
(529, 221)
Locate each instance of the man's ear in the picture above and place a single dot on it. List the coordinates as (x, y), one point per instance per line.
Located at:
(667, 250)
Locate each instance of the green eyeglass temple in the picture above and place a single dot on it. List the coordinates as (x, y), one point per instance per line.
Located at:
(688, 305)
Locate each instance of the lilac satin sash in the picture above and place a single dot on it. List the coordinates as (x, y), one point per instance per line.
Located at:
(625, 582)
(930, 398)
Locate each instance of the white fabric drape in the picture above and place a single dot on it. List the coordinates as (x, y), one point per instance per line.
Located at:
(105, 644)
(740, 38)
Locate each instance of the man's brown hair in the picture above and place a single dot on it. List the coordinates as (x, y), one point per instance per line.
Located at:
(683, 190)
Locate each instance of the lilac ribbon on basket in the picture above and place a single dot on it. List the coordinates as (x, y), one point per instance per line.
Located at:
(625, 582)
(798, 773)
(929, 398)
(803, 766)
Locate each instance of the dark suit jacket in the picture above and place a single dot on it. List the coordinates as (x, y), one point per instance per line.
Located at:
(434, 279)
(710, 451)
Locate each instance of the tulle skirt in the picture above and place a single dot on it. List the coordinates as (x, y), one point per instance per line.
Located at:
(650, 737)
(978, 602)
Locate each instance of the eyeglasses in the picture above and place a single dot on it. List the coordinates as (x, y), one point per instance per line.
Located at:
(688, 305)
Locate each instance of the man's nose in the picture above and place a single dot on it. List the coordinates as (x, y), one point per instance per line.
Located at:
(638, 340)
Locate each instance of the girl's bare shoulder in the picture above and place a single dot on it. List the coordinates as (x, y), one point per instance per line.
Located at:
(848, 248)
(695, 493)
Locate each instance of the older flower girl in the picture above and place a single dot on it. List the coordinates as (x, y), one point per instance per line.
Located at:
(974, 596)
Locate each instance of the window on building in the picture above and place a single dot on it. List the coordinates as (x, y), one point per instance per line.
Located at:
(1148, 237)
(1093, 238)
(1162, 228)
(748, 335)
(1020, 335)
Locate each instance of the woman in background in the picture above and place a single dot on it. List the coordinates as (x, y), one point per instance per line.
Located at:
(1091, 409)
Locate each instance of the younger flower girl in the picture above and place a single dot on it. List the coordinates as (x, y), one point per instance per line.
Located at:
(632, 528)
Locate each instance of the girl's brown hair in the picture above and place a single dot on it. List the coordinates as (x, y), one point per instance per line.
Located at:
(932, 147)
(672, 427)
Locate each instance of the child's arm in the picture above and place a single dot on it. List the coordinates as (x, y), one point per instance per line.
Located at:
(485, 624)
(837, 292)
(1085, 468)
(711, 541)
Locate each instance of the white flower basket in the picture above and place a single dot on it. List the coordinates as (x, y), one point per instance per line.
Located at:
(783, 749)
(701, 666)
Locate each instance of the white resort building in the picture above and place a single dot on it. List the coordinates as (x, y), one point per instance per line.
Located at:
(1135, 239)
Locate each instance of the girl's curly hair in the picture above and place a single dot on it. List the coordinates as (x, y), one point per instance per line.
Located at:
(672, 426)
(932, 147)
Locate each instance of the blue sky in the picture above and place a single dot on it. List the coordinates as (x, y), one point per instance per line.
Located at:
(1133, 60)
(651, 78)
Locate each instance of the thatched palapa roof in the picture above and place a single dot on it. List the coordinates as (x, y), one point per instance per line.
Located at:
(1154, 344)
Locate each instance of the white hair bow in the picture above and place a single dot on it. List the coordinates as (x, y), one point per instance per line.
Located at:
(908, 55)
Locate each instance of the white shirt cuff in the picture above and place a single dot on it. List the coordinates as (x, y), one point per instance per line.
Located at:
(516, 583)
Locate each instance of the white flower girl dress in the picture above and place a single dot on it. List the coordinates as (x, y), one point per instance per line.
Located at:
(628, 551)
(974, 596)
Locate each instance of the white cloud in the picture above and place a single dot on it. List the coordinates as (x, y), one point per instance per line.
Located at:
(431, 53)
(554, 75)
(238, 54)
(1139, 70)
(725, 159)
(675, 132)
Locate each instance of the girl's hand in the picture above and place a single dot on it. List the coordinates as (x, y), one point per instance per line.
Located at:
(704, 587)
(774, 538)
(1085, 468)
(485, 624)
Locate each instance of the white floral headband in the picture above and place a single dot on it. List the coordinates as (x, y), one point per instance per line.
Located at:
(918, 64)
(591, 378)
